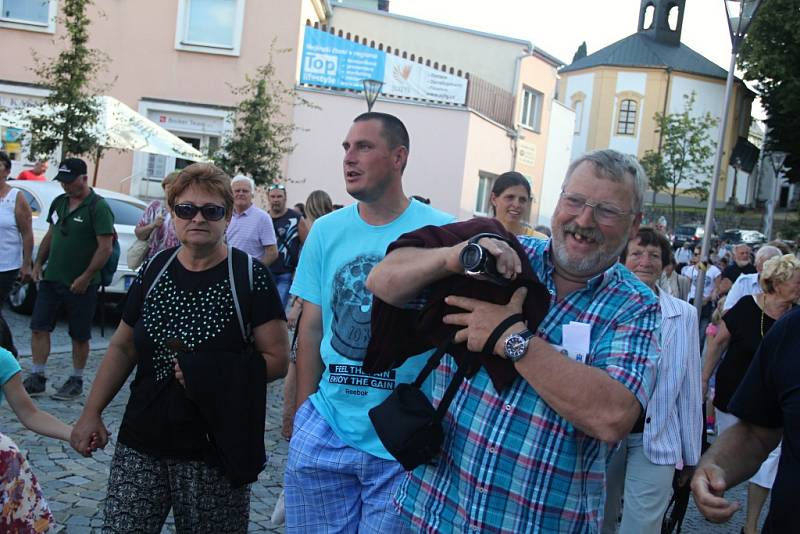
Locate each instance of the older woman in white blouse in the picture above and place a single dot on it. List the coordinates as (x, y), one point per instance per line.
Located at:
(668, 434)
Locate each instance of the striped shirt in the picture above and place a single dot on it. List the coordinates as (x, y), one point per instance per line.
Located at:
(510, 463)
(251, 231)
(674, 423)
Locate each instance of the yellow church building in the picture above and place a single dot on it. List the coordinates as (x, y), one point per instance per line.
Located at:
(616, 92)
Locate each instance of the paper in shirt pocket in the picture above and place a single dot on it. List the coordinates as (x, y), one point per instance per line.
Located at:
(575, 341)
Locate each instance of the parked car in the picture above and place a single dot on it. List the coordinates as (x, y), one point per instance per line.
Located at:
(748, 237)
(127, 212)
(693, 233)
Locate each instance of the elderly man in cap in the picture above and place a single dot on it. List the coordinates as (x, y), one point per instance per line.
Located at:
(77, 245)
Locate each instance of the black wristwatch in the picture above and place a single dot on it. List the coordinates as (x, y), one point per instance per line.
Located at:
(516, 345)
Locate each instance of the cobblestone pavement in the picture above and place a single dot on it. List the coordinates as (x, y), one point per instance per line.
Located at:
(75, 486)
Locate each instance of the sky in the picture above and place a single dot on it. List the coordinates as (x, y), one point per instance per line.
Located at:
(559, 26)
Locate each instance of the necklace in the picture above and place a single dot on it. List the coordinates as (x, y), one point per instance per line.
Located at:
(762, 323)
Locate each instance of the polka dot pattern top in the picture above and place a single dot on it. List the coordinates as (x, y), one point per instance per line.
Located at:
(197, 309)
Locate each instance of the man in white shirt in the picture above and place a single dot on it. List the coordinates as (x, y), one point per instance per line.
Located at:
(709, 282)
(747, 284)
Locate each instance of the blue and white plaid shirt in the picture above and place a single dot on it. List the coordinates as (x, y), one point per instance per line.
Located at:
(510, 463)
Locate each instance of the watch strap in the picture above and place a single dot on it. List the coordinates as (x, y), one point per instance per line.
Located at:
(491, 341)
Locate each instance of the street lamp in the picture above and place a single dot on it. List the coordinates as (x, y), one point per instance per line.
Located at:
(372, 88)
(740, 14)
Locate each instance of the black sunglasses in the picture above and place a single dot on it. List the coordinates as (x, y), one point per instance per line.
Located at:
(211, 212)
(272, 187)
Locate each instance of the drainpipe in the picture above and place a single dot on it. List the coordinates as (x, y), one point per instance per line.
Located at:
(664, 110)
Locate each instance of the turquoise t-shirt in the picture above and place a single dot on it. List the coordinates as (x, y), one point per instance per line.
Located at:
(9, 366)
(337, 256)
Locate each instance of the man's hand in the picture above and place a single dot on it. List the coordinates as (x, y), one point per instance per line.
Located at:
(36, 275)
(481, 318)
(88, 434)
(506, 258)
(708, 488)
(158, 221)
(25, 272)
(80, 284)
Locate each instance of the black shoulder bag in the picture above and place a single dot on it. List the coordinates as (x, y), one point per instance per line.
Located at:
(407, 423)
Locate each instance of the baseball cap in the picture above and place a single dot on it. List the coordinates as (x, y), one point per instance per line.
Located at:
(70, 169)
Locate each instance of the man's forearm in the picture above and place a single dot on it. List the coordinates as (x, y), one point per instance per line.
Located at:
(740, 450)
(309, 360)
(270, 255)
(585, 396)
(404, 272)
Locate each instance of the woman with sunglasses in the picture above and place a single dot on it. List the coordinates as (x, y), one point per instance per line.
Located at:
(190, 310)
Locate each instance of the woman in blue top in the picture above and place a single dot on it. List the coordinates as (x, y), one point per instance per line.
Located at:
(25, 510)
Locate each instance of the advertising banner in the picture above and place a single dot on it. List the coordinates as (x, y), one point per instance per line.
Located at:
(332, 61)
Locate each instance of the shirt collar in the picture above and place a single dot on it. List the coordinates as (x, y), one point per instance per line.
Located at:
(668, 306)
(248, 211)
(594, 284)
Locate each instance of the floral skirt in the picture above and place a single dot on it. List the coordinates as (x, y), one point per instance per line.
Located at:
(24, 508)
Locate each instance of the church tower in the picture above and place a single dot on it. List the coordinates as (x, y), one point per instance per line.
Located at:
(662, 20)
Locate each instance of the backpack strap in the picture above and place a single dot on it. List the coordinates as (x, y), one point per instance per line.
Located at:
(455, 382)
(155, 260)
(244, 326)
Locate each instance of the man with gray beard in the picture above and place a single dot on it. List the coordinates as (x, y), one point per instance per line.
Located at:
(532, 457)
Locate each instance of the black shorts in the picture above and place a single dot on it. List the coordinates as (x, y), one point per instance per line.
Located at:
(51, 296)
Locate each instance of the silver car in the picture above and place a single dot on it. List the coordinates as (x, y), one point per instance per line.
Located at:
(127, 212)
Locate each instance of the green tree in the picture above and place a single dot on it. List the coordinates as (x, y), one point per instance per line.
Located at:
(260, 137)
(684, 163)
(769, 56)
(70, 76)
(653, 165)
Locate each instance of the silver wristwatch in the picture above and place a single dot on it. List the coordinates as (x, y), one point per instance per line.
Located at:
(516, 345)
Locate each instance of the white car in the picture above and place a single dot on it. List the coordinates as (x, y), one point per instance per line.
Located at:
(127, 212)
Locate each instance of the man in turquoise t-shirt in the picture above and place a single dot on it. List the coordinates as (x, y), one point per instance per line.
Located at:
(339, 477)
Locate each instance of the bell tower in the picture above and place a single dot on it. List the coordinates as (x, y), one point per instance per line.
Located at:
(662, 20)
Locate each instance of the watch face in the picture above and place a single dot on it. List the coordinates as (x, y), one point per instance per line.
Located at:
(472, 258)
(515, 347)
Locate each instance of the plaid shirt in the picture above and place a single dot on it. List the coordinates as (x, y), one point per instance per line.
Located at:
(510, 463)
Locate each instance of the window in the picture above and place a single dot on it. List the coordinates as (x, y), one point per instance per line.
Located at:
(125, 212)
(33, 202)
(485, 184)
(531, 109)
(577, 105)
(37, 15)
(211, 26)
(626, 120)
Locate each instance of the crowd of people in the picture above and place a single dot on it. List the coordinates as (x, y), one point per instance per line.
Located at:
(574, 405)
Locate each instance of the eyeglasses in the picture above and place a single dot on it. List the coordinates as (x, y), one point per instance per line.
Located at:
(273, 187)
(604, 213)
(211, 212)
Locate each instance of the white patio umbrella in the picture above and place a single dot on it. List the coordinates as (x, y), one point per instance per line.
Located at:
(118, 127)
